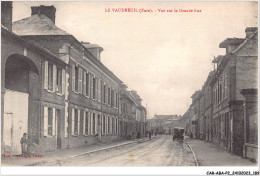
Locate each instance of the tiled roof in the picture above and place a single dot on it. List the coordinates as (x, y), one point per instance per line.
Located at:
(37, 24)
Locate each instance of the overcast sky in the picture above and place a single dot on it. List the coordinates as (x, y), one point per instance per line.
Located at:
(165, 57)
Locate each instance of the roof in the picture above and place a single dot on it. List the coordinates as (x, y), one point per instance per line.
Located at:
(88, 45)
(33, 45)
(37, 24)
(231, 41)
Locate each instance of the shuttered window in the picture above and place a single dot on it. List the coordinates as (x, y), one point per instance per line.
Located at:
(104, 93)
(63, 81)
(54, 122)
(73, 77)
(80, 81)
(87, 84)
(76, 79)
(72, 121)
(54, 78)
(50, 121)
(59, 81)
(45, 121)
(46, 65)
(94, 88)
(84, 83)
(93, 124)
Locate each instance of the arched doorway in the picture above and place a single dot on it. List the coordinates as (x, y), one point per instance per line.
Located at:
(21, 84)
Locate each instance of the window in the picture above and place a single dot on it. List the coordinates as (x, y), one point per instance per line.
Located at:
(76, 79)
(103, 125)
(109, 97)
(104, 94)
(50, 121)
(86, 123)
(87, 84)
(76, 122)
(94, 88)
(59, 80)
(108, 123)
(116, 100)
(112, 98)
(93, 125)
(50, 76)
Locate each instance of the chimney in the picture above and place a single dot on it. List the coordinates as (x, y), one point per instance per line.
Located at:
(48, 11)
(7, 14)
(250, 30)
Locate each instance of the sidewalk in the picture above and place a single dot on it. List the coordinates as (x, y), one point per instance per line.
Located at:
(62, 154)
(208, 154)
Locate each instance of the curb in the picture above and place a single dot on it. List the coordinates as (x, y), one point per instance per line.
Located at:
(85, 153)
(194, 156)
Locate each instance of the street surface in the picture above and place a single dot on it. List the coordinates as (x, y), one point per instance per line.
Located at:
(160, 151)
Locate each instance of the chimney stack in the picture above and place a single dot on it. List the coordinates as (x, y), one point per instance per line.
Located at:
(48, 11)
(250, 30)
(7, 14)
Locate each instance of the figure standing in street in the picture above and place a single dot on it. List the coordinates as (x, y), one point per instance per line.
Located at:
(24, 143)
(150, 134)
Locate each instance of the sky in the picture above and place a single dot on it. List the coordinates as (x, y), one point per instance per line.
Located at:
(164, 56)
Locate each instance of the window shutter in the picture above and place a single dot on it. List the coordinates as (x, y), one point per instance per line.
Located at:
(96, 89)
(99, 92)
(54, 78)
(106, 125)
(96, 124)
(90, 85)
(46, 75)
(78, 121)
(80, 80)
(88, 77)
(63, 82)
(66, 125)
(106, 94)
(45, 121)
(73, 77)
(72, 121)
(89, 123)
(53, 122)
(84, 83)
(84, 123)
(114, 98)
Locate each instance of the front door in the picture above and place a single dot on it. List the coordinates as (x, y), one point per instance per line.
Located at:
(15, 120)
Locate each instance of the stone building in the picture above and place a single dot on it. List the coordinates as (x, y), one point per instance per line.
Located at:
(236, 70)
(92, 91)
(27, 88)
(250, 149)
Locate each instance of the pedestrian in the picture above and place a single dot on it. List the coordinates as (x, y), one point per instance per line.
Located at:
(150, 134)
(24, 143)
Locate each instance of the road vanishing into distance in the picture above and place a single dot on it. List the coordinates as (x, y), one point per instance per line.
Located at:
(160, 151)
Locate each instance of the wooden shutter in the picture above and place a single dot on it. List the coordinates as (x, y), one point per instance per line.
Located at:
(84, 83)
(54, 78)
(72, 121)
(89, 123)
(88, 77)
(90, 85)
(73, 77)
(53, 121)
(84, 123)
(46, 75)
(45, 121)
(66, 125)
(106, 94)
(80, 81)
(99, 90)
(96, 88)
(78, 121)
(63, 81)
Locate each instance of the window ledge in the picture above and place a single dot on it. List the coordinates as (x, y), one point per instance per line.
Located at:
(59, 94)
(50, 91)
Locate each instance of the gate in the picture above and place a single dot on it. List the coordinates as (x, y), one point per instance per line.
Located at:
(15, 120)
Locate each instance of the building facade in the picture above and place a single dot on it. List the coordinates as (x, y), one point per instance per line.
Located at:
(67, 97)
